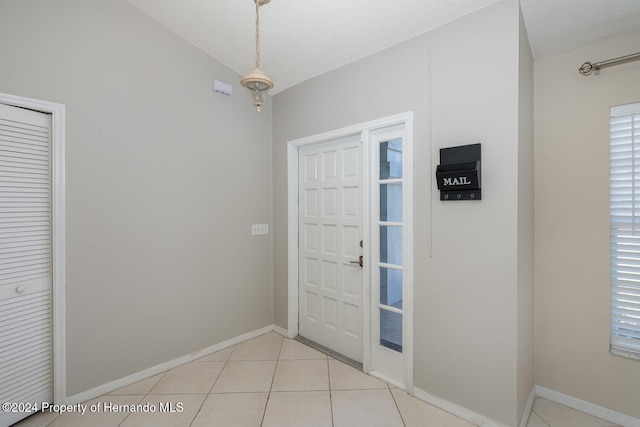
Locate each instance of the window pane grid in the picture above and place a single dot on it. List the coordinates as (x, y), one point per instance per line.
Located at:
(389, 266)
(390, 308)
(625, 229)
(390, 234)
(391, 181)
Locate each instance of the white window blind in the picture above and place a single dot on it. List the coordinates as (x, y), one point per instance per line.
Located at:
(624, 193)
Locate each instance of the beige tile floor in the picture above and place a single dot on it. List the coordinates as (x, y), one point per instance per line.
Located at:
(272, 381)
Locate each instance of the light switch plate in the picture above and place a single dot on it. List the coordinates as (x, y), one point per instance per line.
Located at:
(258, 229)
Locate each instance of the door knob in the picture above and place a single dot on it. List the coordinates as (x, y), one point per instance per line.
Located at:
(20, 289)
(359, 262)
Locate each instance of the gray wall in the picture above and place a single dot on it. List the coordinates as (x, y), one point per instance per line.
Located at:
(472, 275)
(164, 179)
(572, 225)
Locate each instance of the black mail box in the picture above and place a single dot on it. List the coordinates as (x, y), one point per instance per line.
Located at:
(458, 176)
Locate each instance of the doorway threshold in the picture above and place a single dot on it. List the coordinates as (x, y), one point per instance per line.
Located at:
(322, 349)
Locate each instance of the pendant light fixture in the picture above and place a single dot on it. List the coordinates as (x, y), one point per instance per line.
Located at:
(257, 82)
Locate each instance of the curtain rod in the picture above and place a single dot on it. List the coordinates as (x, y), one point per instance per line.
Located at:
(588, 67)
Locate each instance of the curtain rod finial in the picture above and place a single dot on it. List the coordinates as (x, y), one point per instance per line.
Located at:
(586, 68)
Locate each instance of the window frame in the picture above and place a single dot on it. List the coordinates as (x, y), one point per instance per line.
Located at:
(624, 227)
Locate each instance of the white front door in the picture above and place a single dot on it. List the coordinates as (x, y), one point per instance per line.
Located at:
(25, 261)
(350, 196)
(330, 245)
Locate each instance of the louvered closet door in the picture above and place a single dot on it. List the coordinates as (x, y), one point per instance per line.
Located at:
(25, 259)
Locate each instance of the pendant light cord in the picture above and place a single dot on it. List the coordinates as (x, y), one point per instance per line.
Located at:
(257, 33)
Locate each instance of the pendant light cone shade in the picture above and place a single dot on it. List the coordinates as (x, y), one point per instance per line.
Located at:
(257, 82)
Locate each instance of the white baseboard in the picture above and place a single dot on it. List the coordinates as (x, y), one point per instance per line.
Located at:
(587, 407)
(141, 375)
(537, 391)
(471, 416)
(457, 410)
(281, 331)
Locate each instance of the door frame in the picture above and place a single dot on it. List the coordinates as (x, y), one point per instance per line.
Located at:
(364, 130)
(58, 261)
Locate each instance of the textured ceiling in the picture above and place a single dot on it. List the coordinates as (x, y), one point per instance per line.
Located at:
(300, 39)
(556, 26)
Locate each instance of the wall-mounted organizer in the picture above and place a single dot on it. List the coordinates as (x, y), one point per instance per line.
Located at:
(458, 173)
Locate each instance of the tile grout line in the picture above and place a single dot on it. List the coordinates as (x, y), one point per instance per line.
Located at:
(143, 396)
(330, 393)
(539, 416)
(264, 413)
(395, 402)
(226, 362)
(49, 423)
(211, 388)
(129, 413)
